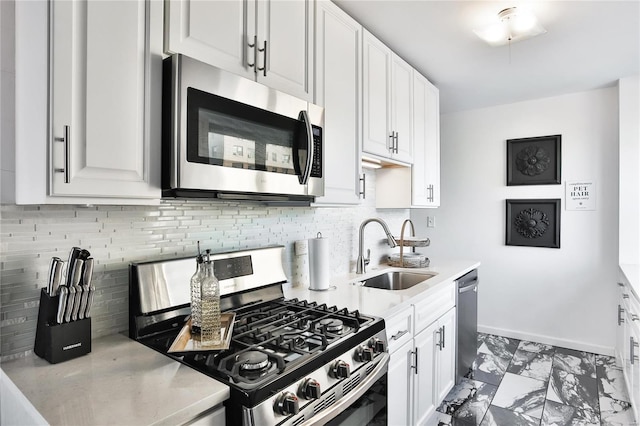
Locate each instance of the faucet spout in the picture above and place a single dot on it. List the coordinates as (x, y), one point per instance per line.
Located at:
(362, 262)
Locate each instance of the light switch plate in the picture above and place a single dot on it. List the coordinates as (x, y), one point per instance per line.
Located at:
(431, 222)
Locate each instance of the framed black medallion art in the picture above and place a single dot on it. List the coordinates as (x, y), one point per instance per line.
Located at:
(534, 161)
(533, 223)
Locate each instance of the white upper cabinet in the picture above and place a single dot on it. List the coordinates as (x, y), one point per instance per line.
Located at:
(105, 94)
(425, 173)
(387, 102)
(401, 109)
(270, 41)
(337, 61)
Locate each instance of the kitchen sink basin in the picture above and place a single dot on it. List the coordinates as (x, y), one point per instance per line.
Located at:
(397, 280)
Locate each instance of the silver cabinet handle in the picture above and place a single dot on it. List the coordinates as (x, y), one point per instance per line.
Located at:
(255, 53)
(66, 139)
(439, 333)
(399, 334)
(621, 284)
(632, 356)
(396, 142)
(363, 192)
(620, 311)
(634, 317)
(442, 337)
(390, 142)
(430, 193)
(264, 62)
(415, 360)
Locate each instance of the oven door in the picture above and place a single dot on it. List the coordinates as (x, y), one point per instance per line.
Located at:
(364, 405)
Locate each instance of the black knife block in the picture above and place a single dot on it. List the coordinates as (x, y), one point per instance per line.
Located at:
(60, 342)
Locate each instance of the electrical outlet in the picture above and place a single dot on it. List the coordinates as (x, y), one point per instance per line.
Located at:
(301, 247)
(431, 222)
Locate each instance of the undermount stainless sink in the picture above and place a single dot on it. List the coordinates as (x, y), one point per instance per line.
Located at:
(396, 280)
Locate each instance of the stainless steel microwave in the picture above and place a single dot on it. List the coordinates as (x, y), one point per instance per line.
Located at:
(228, 137)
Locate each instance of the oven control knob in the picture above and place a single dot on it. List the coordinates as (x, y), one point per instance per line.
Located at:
(364, 354)
(340, 370)
(377, 345)
(286, 404)
(310, 389)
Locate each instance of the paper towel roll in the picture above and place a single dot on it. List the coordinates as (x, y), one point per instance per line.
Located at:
(319, 263)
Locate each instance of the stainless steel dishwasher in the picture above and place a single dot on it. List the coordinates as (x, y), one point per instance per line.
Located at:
(467, 319)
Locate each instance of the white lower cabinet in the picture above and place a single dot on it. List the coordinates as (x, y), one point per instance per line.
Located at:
(628, 341)
(399, 384)
(422, 364)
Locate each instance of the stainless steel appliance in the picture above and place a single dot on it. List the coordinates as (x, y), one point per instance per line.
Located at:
(229, 137)
(467, 320)
(290, 362)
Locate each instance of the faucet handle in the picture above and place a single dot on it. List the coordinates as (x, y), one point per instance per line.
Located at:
(368, 258)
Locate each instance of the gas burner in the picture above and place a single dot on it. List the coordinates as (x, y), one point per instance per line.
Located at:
(252, 361)
(332, 325)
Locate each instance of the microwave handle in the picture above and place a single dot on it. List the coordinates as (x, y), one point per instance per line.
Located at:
(304, 177)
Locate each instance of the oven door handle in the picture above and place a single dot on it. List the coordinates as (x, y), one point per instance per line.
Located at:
(329, 414)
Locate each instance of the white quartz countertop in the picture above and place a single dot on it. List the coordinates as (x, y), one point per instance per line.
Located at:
(378, 302)
(120, 382)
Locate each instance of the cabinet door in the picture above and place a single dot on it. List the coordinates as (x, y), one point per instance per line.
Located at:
(402, 109)
(287, 29)
(425, 181)
(424, 387)
(446, 355)
(105, 114)
(338, 41)
(376, 76)
(216, 32)
(399, 383)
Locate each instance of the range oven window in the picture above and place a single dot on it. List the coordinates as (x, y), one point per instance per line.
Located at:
(369, 410)
(227, 133)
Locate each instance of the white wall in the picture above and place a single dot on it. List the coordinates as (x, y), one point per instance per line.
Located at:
(559, 296)
(629, 95)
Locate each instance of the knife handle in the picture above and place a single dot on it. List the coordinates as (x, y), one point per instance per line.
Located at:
(62, 303)
(54, 276)
(70, 301)
(92, 291)
(73, 255)
(87, 272)
(76, 303)
(83, 302)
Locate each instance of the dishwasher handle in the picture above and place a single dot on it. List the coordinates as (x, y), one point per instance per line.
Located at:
(470, 287)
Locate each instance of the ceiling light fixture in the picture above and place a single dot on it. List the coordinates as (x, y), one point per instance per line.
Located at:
(514, 24)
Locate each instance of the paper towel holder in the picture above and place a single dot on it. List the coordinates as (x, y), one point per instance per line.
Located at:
(313, 287)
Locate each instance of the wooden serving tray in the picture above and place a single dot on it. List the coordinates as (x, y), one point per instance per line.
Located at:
(186, 344)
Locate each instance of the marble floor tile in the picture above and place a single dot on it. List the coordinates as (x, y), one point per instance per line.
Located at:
(575, 361)
(536, 365)
(441, 419)
(556, 414)
(499, 346)
(521, 394)
(535, 347)
(498, 416)
(576, 390)
(468, 401)
(610, 379)
(488, 368)
(615, 413)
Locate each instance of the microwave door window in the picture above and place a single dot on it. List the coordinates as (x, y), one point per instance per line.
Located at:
(220, 132)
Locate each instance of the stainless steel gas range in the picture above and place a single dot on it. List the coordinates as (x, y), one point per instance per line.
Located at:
(289, 362)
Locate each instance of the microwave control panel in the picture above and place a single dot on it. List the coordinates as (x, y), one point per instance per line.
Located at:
(316, 165)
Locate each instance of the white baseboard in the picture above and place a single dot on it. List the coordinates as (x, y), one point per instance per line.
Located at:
(563, 343)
